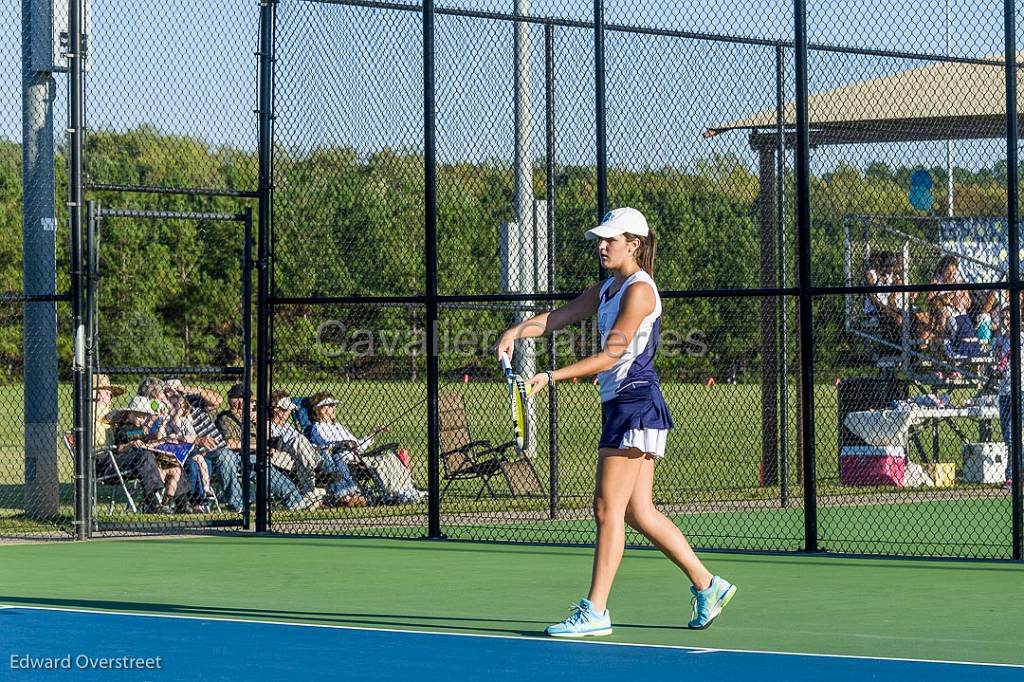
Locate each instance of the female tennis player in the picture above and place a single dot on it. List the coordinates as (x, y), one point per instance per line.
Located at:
(635, 420)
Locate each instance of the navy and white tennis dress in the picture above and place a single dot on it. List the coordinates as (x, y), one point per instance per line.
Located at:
(633, 411)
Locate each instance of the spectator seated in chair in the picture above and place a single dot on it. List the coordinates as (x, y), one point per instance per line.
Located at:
(141, 466)
(291, 451)
(343, 491)
(947, 271)
(228, 463)
(188, 405)
(173, 428)
(883, 308)
(103, 394)
(388, 471)
(135, 438)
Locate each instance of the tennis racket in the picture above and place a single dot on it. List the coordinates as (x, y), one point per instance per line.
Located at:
(517, 403)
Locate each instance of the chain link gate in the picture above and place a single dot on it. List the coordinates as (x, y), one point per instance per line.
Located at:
(169, 150)
(146, 342)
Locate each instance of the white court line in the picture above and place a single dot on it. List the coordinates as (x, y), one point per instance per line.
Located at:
(552, 640)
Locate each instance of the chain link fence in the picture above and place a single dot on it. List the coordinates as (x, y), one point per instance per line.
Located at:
(887, 435)
(699, 123)
(170, 93)
(909, 189)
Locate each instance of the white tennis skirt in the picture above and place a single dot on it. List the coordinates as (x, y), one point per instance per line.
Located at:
(650, 441)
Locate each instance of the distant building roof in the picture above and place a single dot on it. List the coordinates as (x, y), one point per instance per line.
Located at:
(946, 100)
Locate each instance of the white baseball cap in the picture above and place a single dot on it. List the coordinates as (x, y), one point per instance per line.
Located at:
(620, 220)
(284, 403)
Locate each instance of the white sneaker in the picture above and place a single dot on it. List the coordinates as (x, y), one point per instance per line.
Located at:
(310, 499)
(708, 604)
(584, 621)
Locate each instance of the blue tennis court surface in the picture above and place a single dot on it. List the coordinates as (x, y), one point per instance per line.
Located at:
(189, 648)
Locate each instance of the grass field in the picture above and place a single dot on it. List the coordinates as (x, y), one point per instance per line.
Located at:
(716, 444)
(713, 463)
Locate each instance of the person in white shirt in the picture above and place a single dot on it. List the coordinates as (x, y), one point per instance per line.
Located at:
(290, 450)
(326, 435)
(393, 478)
(884, 306)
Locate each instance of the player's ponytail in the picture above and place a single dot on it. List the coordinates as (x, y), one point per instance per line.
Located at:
(645, 253)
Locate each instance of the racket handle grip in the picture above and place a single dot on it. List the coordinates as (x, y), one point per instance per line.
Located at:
(506, 365)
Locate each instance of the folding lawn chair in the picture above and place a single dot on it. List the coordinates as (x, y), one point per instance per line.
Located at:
(465, 459)
(101, 454)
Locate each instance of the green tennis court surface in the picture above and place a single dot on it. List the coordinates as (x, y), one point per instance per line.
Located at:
(933, 610)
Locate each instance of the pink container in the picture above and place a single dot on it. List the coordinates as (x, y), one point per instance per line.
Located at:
(865, 465)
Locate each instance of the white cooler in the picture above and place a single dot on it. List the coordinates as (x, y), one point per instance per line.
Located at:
(984, 462)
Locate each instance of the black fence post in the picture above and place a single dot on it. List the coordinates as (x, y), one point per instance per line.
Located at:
(768, 272)
(549, 172)
(430, 237)
(89, 281)
(266, 193)
(80, 411)
(244, 454)
(803, 227)
(92, 250)
(1013, 220)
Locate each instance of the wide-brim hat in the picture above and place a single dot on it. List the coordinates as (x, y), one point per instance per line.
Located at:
(101, 382)
(140, 404)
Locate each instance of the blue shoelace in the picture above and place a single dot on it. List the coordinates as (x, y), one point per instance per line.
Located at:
(578, 617)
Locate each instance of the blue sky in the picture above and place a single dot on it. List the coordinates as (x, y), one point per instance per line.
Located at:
(352, 76)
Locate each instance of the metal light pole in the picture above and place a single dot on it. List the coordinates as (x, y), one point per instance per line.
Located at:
(39, 263)
(523, 273)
